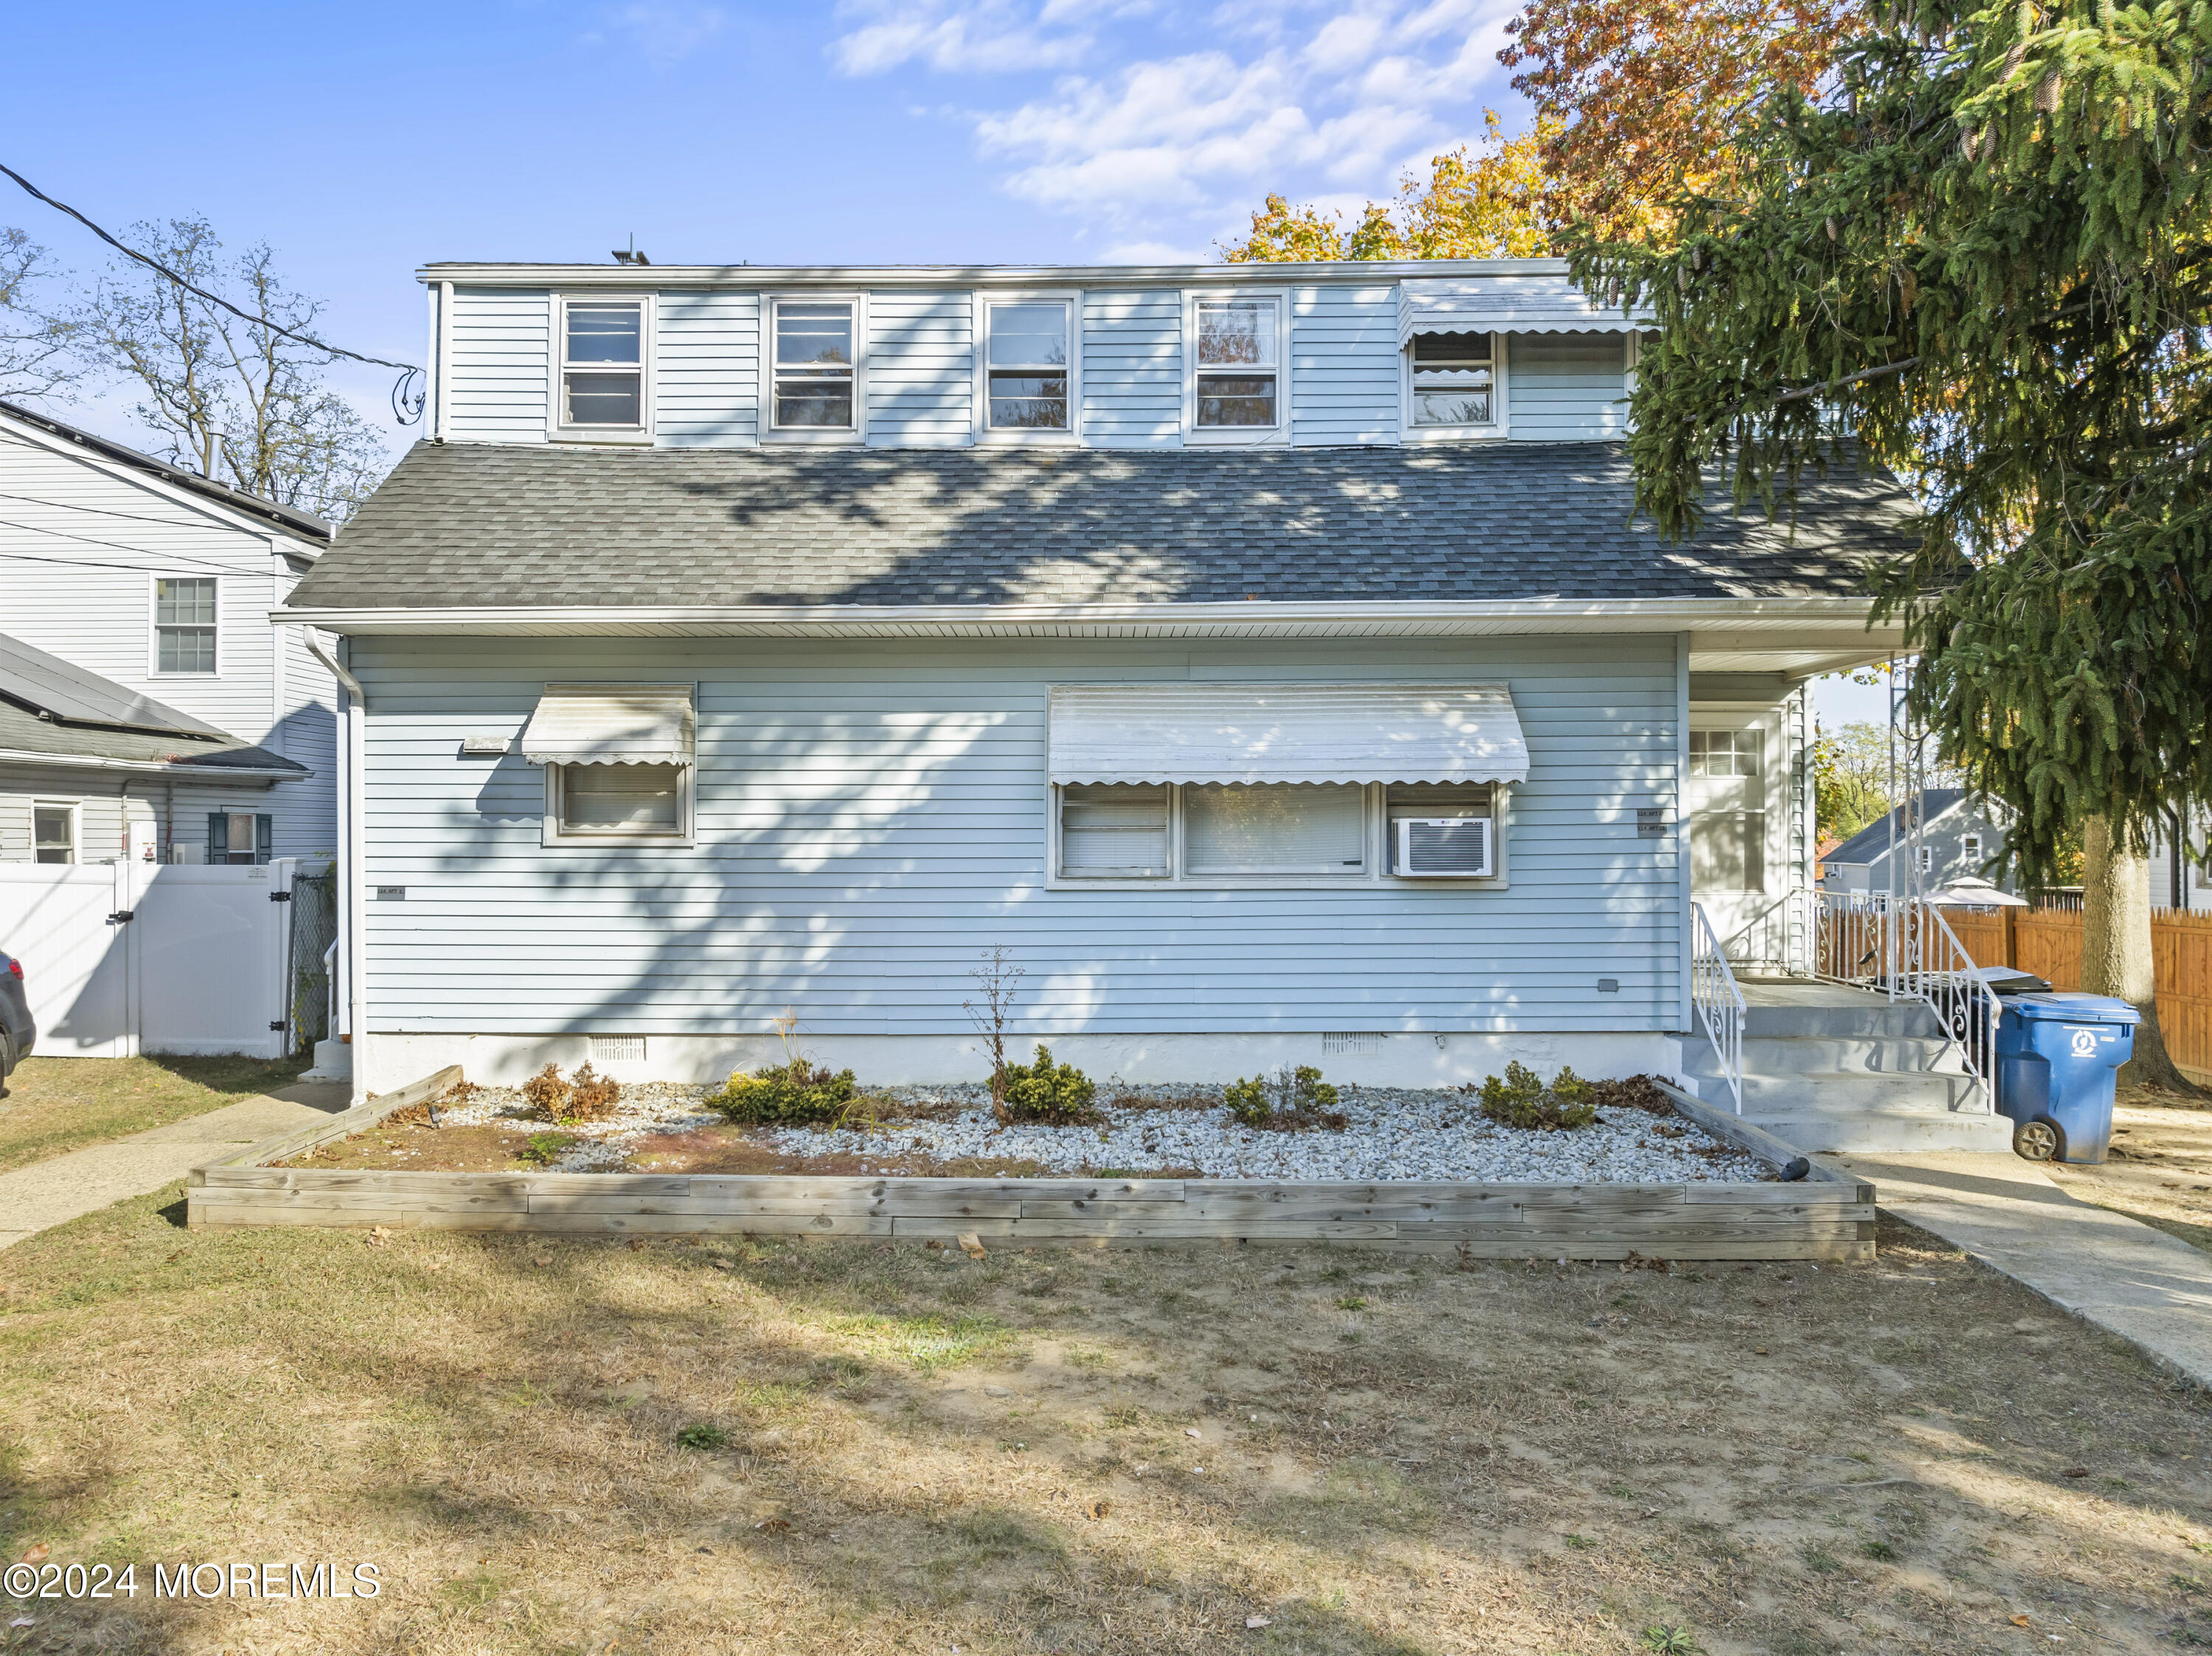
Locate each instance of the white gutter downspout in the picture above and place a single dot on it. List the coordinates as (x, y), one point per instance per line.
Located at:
(353, 719)
(1686, 1016)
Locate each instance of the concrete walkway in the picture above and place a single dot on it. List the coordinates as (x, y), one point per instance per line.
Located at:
(2150, 1288)
(54, 1192)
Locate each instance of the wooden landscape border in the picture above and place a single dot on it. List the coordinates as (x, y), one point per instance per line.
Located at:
(1816, 1217)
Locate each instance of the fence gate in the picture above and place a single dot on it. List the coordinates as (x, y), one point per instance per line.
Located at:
(131, 956)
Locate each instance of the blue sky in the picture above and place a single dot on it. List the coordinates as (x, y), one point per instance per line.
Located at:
(360, 140)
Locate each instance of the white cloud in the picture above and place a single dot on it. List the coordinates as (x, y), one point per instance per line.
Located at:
(664, 33)
(1311, 98)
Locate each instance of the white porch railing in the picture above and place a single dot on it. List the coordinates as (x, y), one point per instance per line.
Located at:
(1903, 948)
(1718, 1001)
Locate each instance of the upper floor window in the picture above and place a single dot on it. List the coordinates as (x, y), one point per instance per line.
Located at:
(1453, 383)
(603, 365)
(1236, 363)
(1026, 354)
(814, 358)
(184, 625)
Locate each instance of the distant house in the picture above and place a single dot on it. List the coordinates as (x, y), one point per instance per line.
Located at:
(2178, 875)
(1957, 837)
(148, 709)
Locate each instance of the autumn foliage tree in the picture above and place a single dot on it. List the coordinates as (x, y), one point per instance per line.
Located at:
(1495, 202)
(1637, 101)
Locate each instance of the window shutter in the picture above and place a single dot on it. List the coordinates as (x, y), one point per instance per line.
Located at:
(264, 836)
(218, 846)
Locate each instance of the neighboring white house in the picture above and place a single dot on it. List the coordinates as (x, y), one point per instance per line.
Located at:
(1957, 837)
(148, 709)
(1268, 657)
(2177, 877)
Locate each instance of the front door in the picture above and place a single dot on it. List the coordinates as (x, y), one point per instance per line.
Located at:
(1737, 800)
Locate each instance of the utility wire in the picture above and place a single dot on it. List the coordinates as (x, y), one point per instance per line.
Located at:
(406, 406)
(117, 546)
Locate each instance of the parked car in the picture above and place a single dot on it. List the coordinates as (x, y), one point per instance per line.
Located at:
(18, 1034)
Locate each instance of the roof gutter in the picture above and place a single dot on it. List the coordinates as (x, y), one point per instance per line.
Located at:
(506, 274)
(1248, 619)
(153, 767)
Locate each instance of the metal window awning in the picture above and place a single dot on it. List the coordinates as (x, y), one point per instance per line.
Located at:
(1516, 304)
(611, 725)
(1252, 733)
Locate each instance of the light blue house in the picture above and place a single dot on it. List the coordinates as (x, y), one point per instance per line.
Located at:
(1265, 655)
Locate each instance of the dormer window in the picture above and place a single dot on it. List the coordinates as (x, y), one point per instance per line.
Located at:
(814, 386)
(1236, 363)
(1027, 365)
(602, 392)
(1454, 381)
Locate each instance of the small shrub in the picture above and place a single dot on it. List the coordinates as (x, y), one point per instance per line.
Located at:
(547, 1093)
(1291, 1100)
(1058, 1095)
(1521, 1100)
(787, 1094)
(543, 1149)
(591, 1096)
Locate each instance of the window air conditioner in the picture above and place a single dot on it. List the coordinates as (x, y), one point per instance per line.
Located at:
(1443, 848)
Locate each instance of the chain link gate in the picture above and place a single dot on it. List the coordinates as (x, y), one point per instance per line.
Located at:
(314, 928)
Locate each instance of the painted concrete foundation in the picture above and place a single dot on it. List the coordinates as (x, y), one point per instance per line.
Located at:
(386, 1061)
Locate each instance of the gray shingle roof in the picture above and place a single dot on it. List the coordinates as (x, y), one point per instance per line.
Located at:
(51, 706)
(459, 525)
(1872, 841)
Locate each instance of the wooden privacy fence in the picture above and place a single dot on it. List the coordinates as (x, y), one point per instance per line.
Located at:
(2047, 941)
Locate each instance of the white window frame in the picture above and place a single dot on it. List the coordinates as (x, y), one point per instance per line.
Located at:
(1501, 408)
(858, 431)
(154, 627)
(75, 808)
(556, 430)
(687, 815)
(1020, 437)
(1971, 853)
(1195, 435)
(1374, 836)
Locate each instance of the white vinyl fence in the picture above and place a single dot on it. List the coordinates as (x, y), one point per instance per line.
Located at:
(131, 957)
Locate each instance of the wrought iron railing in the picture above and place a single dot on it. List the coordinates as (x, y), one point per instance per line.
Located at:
(1903, 948)
(1718, 1001)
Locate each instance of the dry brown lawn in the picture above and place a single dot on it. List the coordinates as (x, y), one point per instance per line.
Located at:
(55, 1104)
(803, 1448)
(2159, 1170)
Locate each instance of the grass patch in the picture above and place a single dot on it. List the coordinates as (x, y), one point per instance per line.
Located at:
(57, 1105)
(930, 1340)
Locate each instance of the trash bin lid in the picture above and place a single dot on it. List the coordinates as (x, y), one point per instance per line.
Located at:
(2066, 1007)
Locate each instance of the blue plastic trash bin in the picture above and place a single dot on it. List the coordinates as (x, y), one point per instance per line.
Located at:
(2056, 1054)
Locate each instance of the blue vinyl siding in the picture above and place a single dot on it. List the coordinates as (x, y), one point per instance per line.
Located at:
(921, 370)
(1344, 364)
(1567, 387)
(871, 815)
(1132, 369)
(707, 369)
(500, 343)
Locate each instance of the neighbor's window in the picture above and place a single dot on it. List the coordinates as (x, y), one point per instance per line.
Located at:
(603, 364)
(1728, 810)
(53, 834)
(239, 836)
(1237, 362)
(620, 801)
(1925, 856)
(814, 358)
(1452, 379)
(184, 625)
(1027, 366)
(1970, 848)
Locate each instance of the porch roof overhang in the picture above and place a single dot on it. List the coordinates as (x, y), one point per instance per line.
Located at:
(1795, 636)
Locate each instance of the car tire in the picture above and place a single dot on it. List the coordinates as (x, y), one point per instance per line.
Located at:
(2040, 1140)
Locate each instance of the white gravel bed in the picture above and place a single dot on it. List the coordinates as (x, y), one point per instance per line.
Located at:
(1394, 1133)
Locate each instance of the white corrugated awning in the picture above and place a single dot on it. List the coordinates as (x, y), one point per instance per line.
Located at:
(1286, 733)
(611, 724)
(1519, 303)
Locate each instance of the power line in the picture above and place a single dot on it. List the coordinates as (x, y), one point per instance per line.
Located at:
(406, 407)
(112, 546)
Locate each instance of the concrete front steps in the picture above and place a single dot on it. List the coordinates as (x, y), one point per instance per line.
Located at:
(1843, 1070)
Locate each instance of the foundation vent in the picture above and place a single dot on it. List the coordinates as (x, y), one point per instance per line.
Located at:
(617, 1049)
(1343, 1042)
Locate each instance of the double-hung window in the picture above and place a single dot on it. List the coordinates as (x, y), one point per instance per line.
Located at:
(1454, 381)
(603, 393)
(53, 834)
(814, 379)
(1235, 358)
(184, 624)
(1027, 384)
